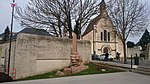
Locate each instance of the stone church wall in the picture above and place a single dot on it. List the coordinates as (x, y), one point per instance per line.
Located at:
(35, 54)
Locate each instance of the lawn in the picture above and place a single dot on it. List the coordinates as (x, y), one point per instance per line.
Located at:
(93, 69)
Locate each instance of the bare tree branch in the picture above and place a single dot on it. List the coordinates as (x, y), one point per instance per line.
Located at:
(57, 15)
(129, 17)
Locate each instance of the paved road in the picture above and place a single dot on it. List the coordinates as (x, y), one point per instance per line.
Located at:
(112, 78)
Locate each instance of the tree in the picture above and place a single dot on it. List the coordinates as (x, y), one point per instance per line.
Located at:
(130, 44)
(58, 16)
(6, 34)
(129, 17)
(145, 39)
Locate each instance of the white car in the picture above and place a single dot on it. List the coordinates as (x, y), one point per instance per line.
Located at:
(102, 57)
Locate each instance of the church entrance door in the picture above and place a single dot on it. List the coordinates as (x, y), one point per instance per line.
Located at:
(105, 50)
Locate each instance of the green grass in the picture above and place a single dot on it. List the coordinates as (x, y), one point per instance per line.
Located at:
(93, 69)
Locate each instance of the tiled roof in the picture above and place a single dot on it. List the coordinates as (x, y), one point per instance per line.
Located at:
(35, 31)
(32, 31)
(29, 31)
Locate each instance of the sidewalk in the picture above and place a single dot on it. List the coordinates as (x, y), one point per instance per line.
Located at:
(118, 64)
(142, 68)
(111, 78)
(143, 63)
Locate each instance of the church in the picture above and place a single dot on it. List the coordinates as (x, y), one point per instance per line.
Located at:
(101, 33)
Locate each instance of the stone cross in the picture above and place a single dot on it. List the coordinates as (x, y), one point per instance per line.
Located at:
(75, 58)
(74, 43)
(77, 64)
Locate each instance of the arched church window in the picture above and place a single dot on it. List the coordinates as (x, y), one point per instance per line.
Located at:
(105, 35)
(108, 36)
(101, 36)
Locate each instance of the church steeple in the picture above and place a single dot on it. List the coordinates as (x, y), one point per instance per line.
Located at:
(103, 11)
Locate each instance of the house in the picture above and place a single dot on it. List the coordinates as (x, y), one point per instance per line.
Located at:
(1, 37)
(101, 33)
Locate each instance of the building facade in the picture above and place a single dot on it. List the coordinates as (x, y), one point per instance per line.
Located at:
(101, 33)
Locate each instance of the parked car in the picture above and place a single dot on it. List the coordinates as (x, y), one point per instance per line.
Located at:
(102, 57)
(95, 57)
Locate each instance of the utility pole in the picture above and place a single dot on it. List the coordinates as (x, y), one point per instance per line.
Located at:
(10, 40)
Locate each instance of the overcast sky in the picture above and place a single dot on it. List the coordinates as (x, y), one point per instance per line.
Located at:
(5, 16)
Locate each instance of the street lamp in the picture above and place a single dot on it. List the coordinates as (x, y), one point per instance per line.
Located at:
(93, 38)
(13, 7)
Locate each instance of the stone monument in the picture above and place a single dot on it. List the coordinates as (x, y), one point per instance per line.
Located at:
(77, 64)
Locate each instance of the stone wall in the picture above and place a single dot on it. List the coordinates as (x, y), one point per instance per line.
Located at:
(147, 52)
(35, 54)
(133, 51)
(4, 52)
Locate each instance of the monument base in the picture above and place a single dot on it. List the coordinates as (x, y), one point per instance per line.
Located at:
(77, 64)
(75, 69)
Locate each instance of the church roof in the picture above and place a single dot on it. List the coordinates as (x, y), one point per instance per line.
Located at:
(103, 14)
(91, 25)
